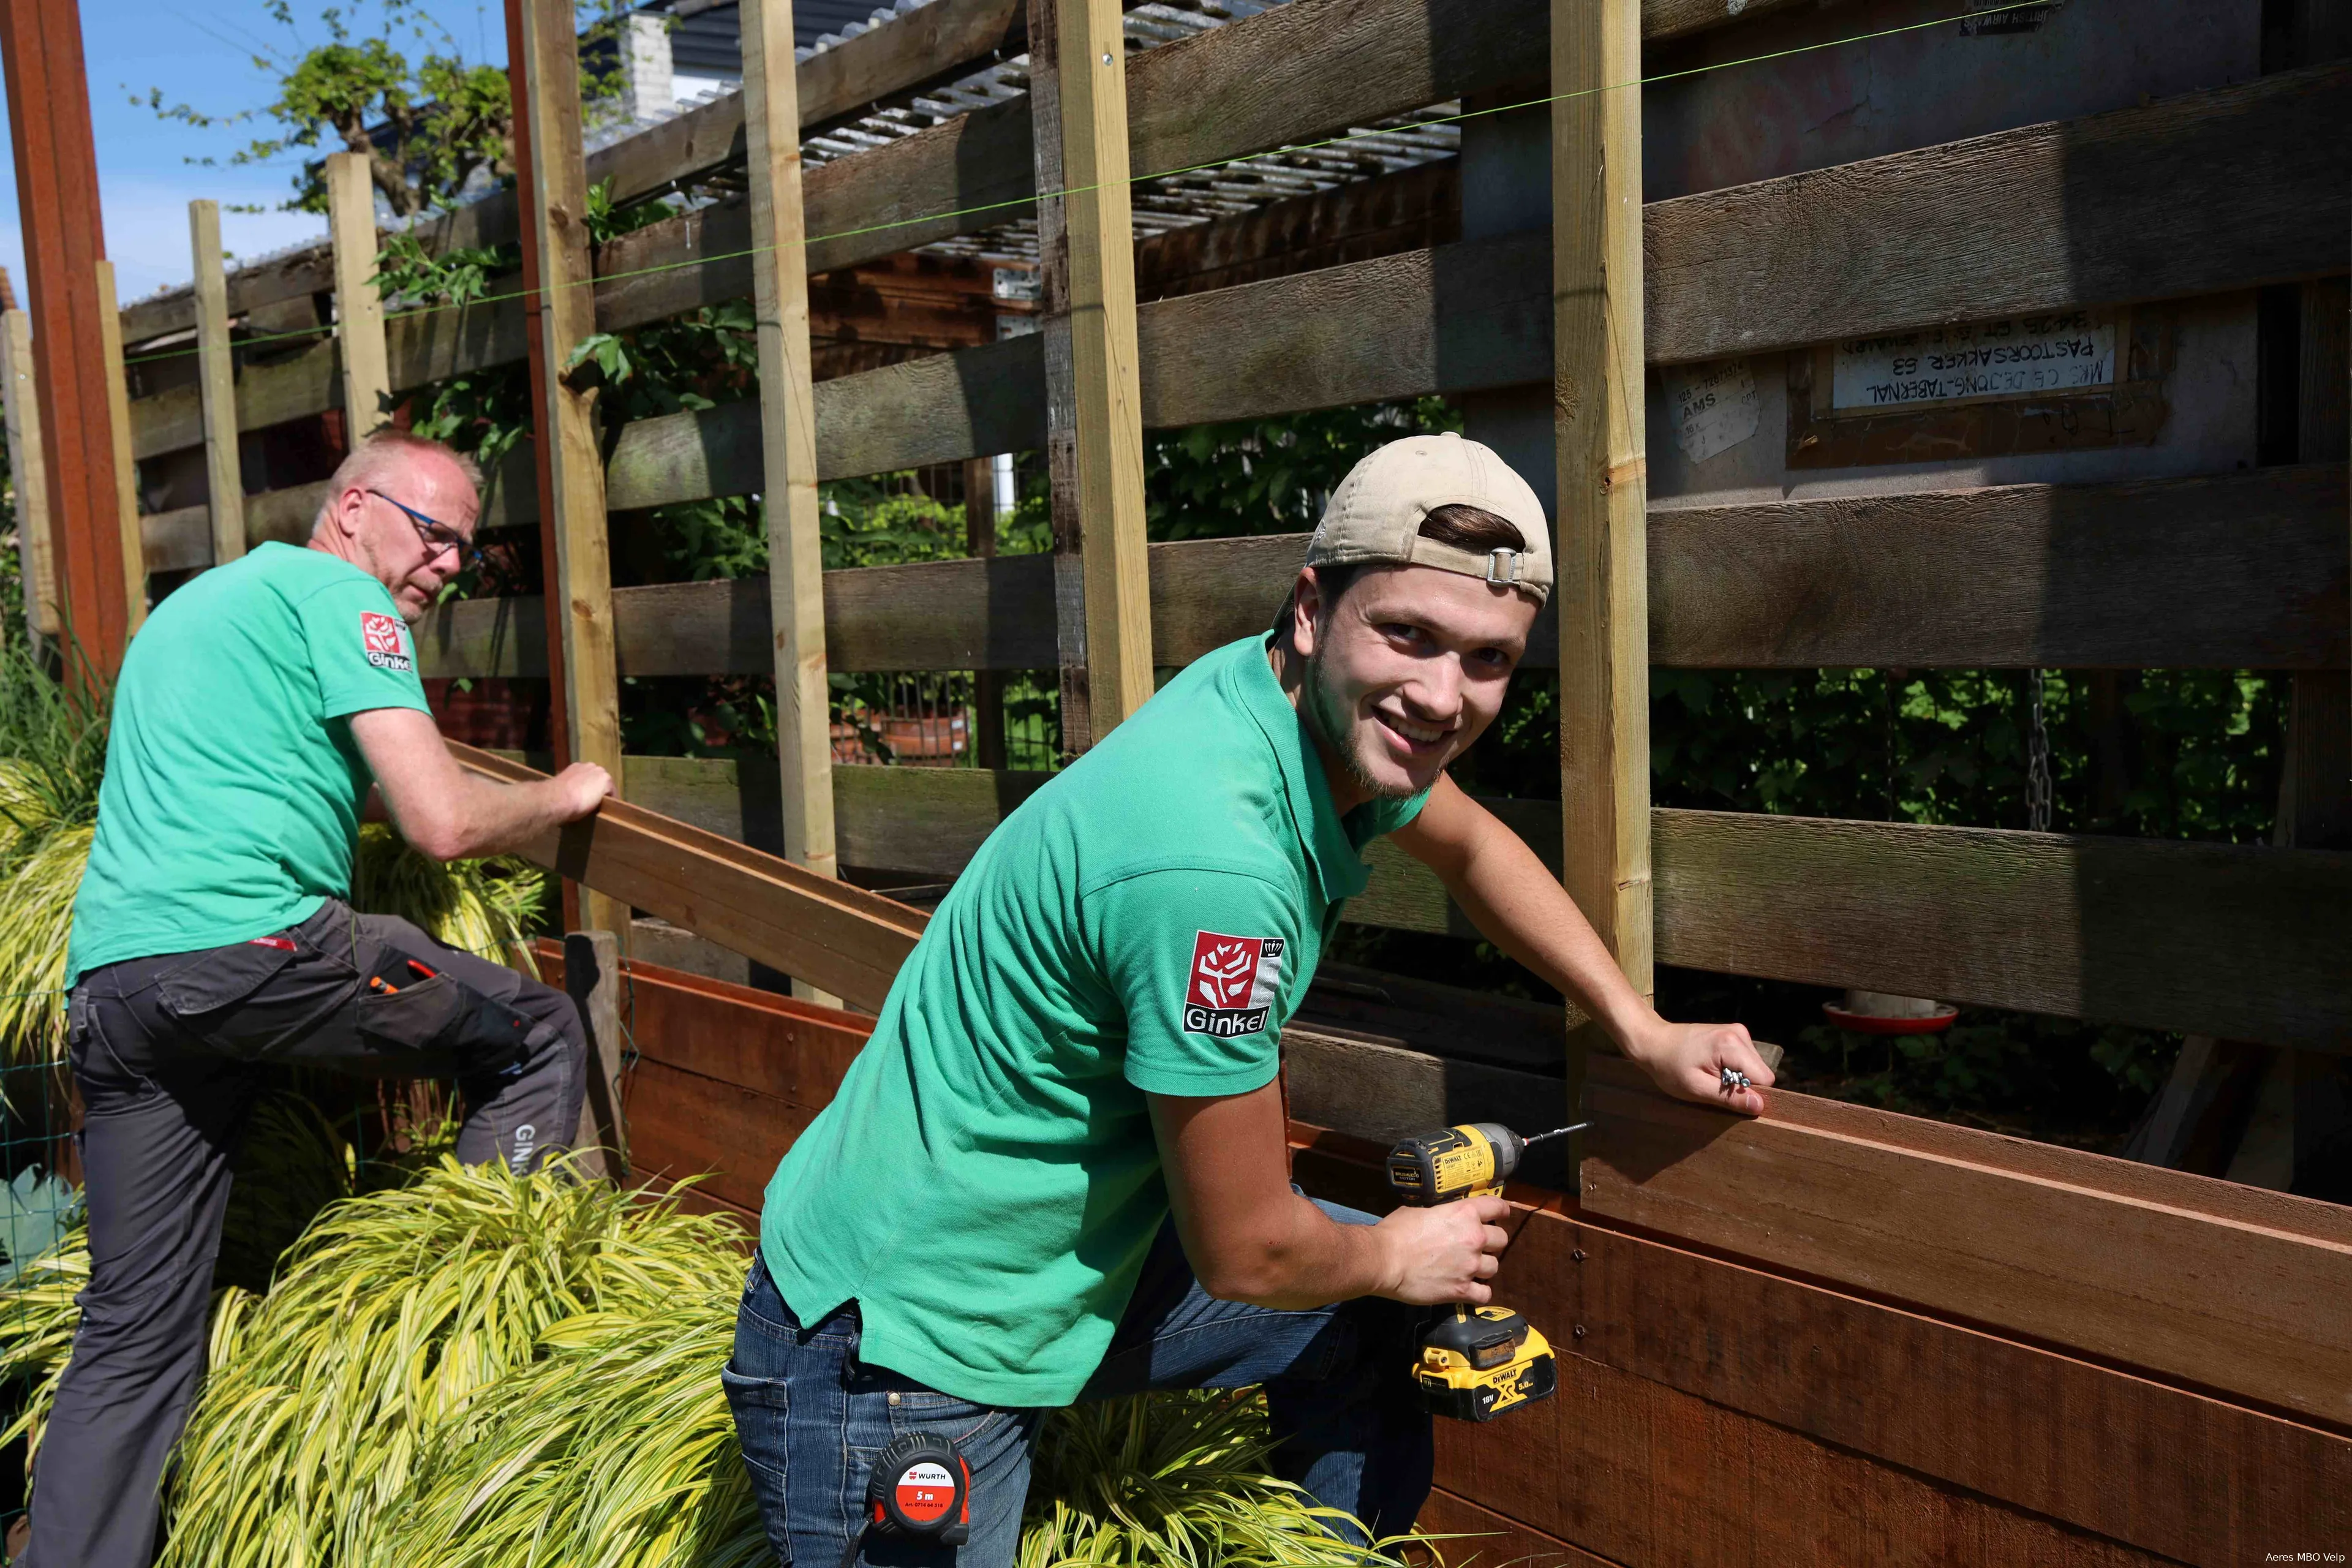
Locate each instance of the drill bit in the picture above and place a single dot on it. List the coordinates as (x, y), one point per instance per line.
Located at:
(1561, 1132)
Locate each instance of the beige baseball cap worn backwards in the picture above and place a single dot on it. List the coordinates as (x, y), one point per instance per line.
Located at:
(1375, 516)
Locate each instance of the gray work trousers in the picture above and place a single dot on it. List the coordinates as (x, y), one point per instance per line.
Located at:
(169, 1053)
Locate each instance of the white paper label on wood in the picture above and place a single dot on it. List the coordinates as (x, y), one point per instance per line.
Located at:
(1713, 406)
(2029, 354)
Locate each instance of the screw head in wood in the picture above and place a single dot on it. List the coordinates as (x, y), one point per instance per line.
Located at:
(1578, 1330)
(1576, 1255)
(1106, 56)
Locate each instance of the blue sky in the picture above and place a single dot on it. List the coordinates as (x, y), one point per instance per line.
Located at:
(200, 54)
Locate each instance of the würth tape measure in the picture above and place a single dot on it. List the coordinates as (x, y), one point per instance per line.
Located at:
(921, 1487)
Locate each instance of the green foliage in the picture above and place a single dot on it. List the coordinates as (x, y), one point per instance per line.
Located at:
(1175, 1481)
(480, 1370)
(444, 120)
(1269, 476)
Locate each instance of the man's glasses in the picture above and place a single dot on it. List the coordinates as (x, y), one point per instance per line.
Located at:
(437, 535)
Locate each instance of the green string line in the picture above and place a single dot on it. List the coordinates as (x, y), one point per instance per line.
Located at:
(1066, 192)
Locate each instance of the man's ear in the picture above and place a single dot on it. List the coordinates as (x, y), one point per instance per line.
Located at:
(346, 510)
(1306, 609)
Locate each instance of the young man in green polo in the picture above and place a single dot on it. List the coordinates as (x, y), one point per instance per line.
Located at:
(1058, 1170)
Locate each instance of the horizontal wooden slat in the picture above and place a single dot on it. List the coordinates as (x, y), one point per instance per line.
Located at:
(2223, 1287)
(2210, 191)
(2245, 942)
(841, 939)
(2240, 571)
(2234, 572)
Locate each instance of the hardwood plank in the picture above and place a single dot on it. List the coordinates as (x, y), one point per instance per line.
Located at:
(1479, 1537)
(2198, 1292)
(216, 387)
(1635, 1472)
(2170, 1472)
(733, 1035)
(788, 441)
(365, 359)
(843, 938)
(682, 1124)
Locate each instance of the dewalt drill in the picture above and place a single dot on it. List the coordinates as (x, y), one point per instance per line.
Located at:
(1475, 1362)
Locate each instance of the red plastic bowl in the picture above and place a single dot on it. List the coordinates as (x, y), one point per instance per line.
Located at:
(1871, 1023)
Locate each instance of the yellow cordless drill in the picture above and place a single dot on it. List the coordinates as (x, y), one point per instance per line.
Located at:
(1475, 1362)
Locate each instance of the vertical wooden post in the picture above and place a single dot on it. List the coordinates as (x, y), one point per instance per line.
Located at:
(126, 473)
(771, 124)
(987, 738)
(1093, 444)
(545, 68)
(591, 977)
(56, 195)
(1598, 424)
(217, 386)
(359, 307)
(36, 553)
(2316, 798)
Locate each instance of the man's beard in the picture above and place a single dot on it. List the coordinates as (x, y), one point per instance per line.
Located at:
(1327, 715)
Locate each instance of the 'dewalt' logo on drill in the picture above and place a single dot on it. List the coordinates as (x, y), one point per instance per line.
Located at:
(1231, 987)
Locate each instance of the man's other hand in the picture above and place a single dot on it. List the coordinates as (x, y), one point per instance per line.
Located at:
(1688, 1061)
(581, 788)
(1445, 1254)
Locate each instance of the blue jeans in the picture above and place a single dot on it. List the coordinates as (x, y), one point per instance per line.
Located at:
(813, 1418)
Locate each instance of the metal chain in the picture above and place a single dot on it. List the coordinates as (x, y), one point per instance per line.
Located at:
(2037, 761)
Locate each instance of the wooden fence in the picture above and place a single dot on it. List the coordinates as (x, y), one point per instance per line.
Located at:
(1830, 1335)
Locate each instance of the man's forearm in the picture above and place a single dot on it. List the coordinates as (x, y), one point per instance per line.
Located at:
(1516, 904)
(1315, 1262)
(498, 818)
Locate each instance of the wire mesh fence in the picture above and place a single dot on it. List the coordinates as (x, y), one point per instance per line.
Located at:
(947, 718)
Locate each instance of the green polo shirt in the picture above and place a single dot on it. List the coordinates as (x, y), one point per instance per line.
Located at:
(230, 807)
(986, 1183)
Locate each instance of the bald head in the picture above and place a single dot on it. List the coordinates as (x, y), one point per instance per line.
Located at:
(402, 509)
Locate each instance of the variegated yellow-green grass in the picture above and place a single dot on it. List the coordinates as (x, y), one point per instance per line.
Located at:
(1176, 1480)
(616, 1451)
(393, 1316)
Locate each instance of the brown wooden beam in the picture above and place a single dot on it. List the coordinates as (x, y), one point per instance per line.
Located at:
(57, 195)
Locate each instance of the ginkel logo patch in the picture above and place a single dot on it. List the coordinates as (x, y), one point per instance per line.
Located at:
(381, 638)
(1232, 984)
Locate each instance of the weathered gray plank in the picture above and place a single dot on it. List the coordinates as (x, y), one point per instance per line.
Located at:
(2239, 571)
(2245, 941)
(2225, 189)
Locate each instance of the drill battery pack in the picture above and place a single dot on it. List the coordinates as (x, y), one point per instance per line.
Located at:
(1480, 1362)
